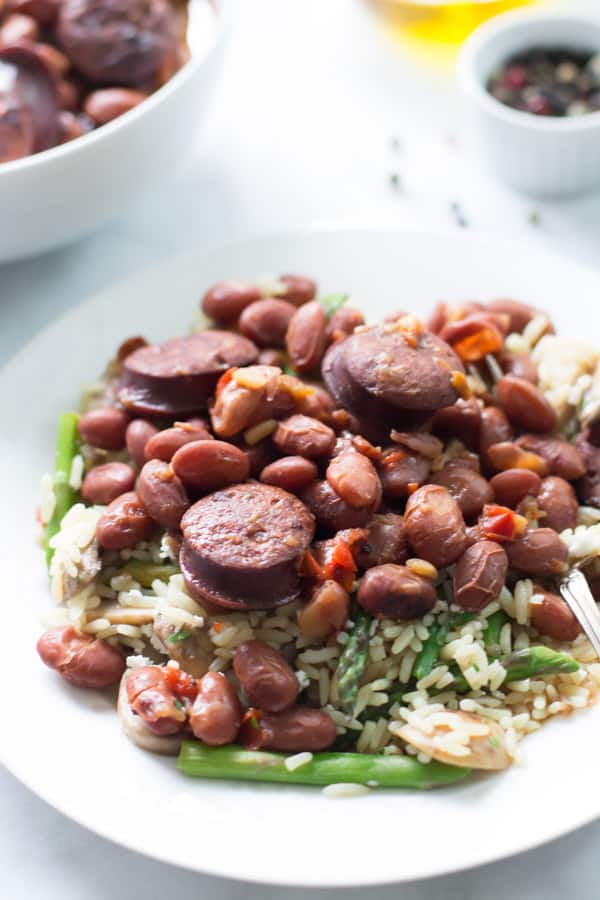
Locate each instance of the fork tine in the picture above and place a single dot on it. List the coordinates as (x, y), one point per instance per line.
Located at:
(575, 590)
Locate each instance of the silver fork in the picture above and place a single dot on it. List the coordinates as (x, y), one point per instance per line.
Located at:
(575, 590)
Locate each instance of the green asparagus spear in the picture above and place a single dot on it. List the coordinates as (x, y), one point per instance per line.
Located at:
(353, 661)
(145, 573)
(438, 633)
(234, 763)
(495, 624)
(534, 661)
(332, 302)
(67, 446)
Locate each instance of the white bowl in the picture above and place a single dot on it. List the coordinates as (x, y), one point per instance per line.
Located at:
(62, 194)
(539, 155)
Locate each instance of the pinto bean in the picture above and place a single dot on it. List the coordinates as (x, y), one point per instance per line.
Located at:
(434, 525)
(106, 104)
(495, 429)
(399, 471)
(520, 314)
(69, 95)
(124, 524)
(210, 465)
(266, 677)
(343, 322)
(525, 405)
(326, 612)
(306, 337)
(392, 591)
(162, 493)
(588, 487)
(137, 435)
(216, 715)
(266, 322)
(564, 459)
(301, 435)
(151, 698)
(538, 552)
(520, 365)
(81, 659)
(260, 455)
(252, 395)
(470, 490)
(319, 403)
(165, 444)
(558, 501)
(224, 302)
(272, 357)
(104, 428)
(298, 289)
(53, 58)
(17, 27)
(105, 483)
(292, 473)
(354, 478)
(479, 575)
(331, 512)
(473, 337)
(43, 11)
(385, 542)
(462, 420)
(508, 455)
(551, 615)
(512, 485)
(298, 729)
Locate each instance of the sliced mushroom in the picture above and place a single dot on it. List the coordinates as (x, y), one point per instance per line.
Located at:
(486, 747)
(126, 615)
(138, 732)
(189, 645)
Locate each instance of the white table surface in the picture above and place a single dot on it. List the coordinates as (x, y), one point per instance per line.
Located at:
(299, 133)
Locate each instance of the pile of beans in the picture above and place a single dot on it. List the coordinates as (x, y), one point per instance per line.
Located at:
(549, 82)
(69, 66)
(295, 453)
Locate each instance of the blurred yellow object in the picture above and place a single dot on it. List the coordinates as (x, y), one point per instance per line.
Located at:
(437, 27)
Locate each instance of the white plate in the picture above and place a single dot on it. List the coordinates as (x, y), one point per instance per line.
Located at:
(66, 744)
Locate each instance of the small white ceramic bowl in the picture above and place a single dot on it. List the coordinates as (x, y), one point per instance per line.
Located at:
(539, 155)
(58, 196)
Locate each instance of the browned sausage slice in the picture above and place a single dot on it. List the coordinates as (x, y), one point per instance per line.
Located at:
(177, 377)
(243, 545)
(388, 367)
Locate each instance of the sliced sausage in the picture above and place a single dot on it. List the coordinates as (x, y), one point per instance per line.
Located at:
(292, 731)
(331, 512)
(538, 552)
(266, 677)
(124, 524)
(525, 405)
(216, 715)
(564, 459)
(434, 525)
(292, 473)
(210, 465)
(551, 615)
(512, 485)
(112, 42)
(243, 545)
(162, 493)
(105, 483)
(304, 436)
(396, 592)
(479, 575)
(385, 542)
(558, 501)
(354, 478)
(470, 490)
(326, 612)
(177, 378)
(81, 659)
